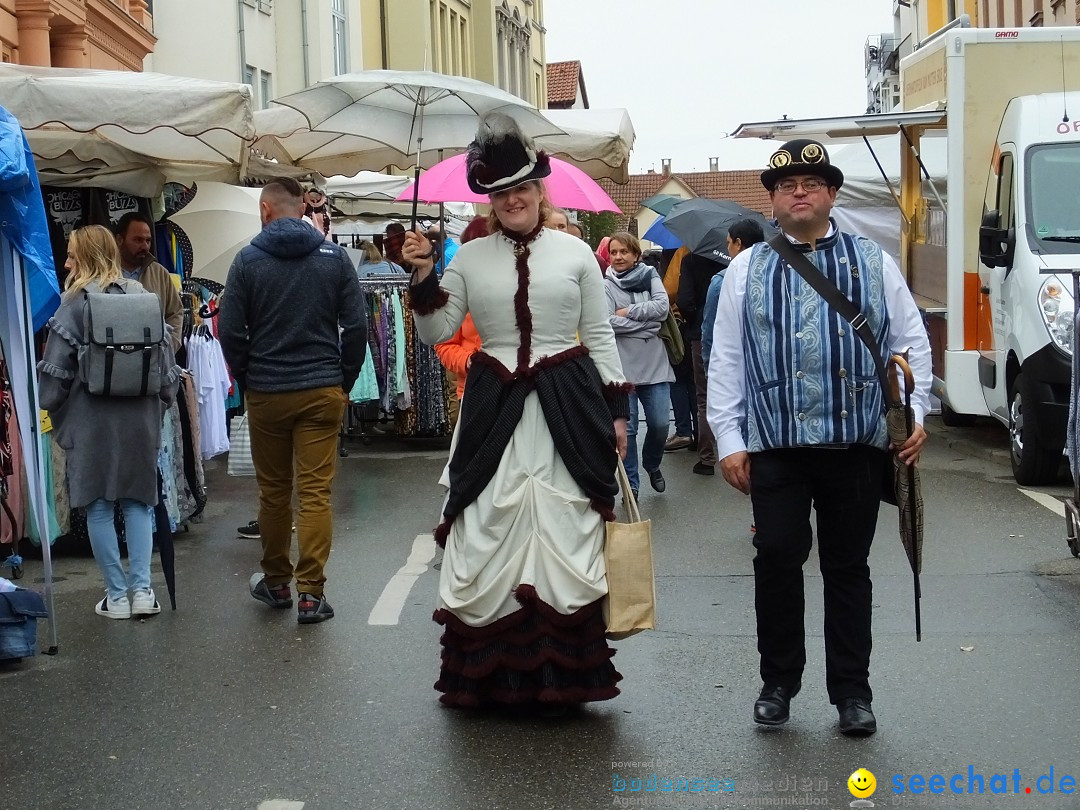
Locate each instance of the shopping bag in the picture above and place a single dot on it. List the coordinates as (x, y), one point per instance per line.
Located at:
(240, 463)
(630, 606)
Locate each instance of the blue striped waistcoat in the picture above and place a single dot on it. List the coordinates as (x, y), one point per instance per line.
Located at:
(810, 380)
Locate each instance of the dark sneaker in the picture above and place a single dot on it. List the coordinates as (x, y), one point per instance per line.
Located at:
(251, 531)
(276, 596)
(312, 609)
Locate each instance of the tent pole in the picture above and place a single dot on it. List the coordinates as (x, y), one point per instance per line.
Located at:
(22, 365)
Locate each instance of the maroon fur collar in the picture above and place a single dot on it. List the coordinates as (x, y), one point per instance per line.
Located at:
(522, 313)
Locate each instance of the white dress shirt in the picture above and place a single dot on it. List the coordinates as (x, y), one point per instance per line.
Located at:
(726, 399)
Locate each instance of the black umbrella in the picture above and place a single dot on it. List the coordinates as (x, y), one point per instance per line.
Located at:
(163, 538)
(900, 420)
(703, 225)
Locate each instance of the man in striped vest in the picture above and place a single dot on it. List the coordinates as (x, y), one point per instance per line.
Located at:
(797, 410)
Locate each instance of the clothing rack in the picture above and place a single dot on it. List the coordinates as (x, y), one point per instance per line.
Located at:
(421, 405)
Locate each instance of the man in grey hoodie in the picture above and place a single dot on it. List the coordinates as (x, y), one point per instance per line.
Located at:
(294, 332)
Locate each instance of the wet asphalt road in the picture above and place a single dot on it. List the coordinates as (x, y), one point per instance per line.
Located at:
(227, 704)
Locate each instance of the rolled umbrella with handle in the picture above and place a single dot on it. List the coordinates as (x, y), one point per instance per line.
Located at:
(900, 422)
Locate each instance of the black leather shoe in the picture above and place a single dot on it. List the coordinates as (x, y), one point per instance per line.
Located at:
(656, 478)
(773, 706)
(701, 468)
(856, 718)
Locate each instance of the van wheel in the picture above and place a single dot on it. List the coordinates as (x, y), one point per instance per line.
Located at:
(1033, 463)
(951, 418)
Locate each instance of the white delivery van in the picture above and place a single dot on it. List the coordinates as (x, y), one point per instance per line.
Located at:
(985, 268)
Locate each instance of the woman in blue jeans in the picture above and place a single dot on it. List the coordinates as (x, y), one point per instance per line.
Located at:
(639, 304)
(111, 442)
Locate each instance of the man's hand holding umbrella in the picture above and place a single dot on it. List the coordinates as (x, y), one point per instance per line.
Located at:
(912, 448)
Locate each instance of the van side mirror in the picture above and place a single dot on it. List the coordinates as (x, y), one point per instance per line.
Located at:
(995, 243)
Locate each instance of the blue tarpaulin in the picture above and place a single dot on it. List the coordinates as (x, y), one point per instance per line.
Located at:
(22, 218)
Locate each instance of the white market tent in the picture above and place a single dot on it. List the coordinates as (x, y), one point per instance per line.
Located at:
(597, 141)
(864, 204)
(130, 132)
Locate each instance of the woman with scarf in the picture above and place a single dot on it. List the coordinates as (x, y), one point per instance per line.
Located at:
(639, 304)
(531, 475)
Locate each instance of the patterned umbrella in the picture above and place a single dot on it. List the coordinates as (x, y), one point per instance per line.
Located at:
(900, 421)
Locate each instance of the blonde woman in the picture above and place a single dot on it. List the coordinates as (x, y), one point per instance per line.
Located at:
(111, 442)
(373, 263)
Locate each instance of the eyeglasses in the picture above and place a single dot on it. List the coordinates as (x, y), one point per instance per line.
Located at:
(809, 185)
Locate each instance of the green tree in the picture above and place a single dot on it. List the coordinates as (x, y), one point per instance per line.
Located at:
(596, 226)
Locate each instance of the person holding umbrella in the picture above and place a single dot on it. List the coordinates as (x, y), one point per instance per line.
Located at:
(111, 441)
(798, 414)
(531, 475)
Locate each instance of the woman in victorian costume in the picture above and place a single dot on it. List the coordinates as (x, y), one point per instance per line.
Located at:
(531, 475)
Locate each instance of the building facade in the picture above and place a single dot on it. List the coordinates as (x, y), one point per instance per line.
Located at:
(276, 46)
(99, 34)
(500, 42)
(915, 20)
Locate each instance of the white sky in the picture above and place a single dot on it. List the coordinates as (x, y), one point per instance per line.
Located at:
(690, 71)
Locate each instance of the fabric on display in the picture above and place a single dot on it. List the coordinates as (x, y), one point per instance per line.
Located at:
(207, 364)
(400, 372)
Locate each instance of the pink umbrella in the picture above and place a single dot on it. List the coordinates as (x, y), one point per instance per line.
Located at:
(567, 185)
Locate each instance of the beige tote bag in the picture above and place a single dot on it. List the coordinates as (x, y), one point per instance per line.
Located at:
(630, 606)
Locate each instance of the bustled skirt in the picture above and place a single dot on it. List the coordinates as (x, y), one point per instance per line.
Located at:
(522, 585)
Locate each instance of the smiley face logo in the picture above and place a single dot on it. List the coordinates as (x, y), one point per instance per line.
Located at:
(862, 784)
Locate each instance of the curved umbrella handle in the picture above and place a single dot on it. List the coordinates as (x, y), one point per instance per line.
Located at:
(899, 361)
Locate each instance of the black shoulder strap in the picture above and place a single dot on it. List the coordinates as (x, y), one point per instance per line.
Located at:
(838, 301)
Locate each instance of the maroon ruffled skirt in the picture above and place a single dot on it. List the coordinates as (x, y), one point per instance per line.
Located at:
(534, 655)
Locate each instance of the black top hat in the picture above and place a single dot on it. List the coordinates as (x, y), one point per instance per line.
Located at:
(801, 156)
(502, 156)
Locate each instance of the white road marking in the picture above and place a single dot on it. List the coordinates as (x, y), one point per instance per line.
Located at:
(1055, 505)
(280, 804)
(388, 609)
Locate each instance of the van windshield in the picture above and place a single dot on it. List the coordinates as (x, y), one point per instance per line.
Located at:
(1053, 194)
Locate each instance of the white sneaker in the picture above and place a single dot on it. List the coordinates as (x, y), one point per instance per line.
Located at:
(113, 608)
(144, 603)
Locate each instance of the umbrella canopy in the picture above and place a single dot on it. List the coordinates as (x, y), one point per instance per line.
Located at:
(568, 186)
(138, 130)
(662, 203)
(702, 225)
(376, 119)
(219, 220)
(658, 234)
(900, 422)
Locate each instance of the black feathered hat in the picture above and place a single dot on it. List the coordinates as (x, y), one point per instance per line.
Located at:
(502, 156)
(801, 156)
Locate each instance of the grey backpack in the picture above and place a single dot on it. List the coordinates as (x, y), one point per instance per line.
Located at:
(124, 342)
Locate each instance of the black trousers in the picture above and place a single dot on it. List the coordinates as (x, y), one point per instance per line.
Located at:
(843, 487)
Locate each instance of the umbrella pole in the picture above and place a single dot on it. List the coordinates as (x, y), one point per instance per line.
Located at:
(416, 173)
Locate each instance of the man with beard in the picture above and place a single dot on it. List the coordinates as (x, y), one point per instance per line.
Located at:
(134, 237)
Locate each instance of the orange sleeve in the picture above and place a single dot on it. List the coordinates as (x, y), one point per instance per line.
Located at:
(454, 353)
